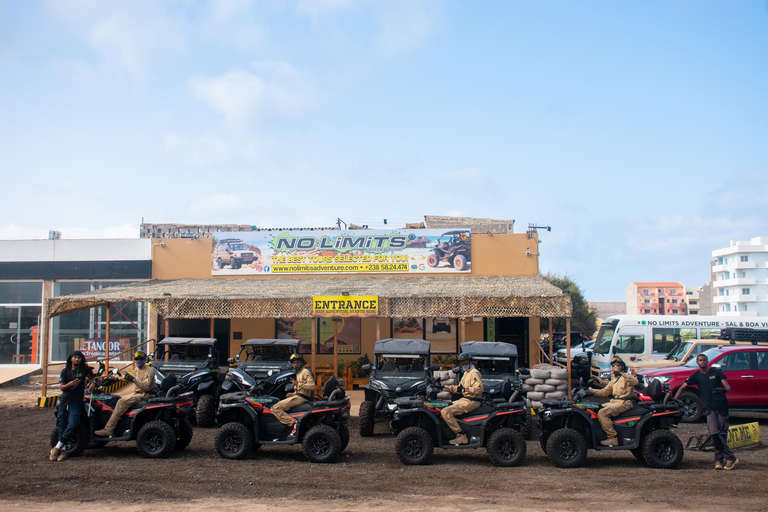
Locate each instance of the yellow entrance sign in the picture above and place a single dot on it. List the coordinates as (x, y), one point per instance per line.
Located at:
(743, 435)
(345, 305)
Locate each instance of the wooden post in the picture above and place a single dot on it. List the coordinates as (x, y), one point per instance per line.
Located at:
(312, 344)
(212, 320)
(336, 345)
(106, 342)
(44, 321)
(462, 332)
(568, 355)
(551, 340)
(378, 330)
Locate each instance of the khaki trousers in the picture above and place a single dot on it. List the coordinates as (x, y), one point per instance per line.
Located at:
(280, 409)
(611, 410)
(458, 407)
(121, 406)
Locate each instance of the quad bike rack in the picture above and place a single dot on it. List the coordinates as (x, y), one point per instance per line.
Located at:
(700, 443)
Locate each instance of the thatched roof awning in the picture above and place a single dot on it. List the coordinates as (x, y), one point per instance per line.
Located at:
(399, 296)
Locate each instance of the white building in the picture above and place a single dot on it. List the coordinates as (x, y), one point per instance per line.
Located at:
(740, 287)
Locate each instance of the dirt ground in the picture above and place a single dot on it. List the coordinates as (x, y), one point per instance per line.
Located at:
(369, 476)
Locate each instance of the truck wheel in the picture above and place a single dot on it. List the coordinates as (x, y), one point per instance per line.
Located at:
(691, 408)
(322, 444)
(366, 416)
(662, 449)
(234, 264)
(433, 260)
(206, 413)
(184, 434)
(233, 441)
(219, 264)
(78, 440)
(506, 447)
(460, 262)
(156, 440)
(414, 445)
(566, 448)
(344, 435)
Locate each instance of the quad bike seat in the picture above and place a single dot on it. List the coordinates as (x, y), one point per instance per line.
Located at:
(483, 409)
(138, 405)
(303, 407)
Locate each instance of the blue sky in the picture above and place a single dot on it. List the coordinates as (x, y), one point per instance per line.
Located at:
(637, 130)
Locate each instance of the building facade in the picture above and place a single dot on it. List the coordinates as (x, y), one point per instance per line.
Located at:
(740, 283)
(657, 298)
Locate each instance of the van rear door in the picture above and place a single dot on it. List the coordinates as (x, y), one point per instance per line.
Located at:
(631, 341)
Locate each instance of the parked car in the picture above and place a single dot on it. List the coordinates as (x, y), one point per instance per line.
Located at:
(576, 350)
(233, 252)
(745, 367)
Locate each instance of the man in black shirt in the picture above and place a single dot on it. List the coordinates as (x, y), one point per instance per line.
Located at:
(713, 386)
(72, 383)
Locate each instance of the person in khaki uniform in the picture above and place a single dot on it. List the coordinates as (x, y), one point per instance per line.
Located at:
(471, 388)
(621, 389)
(143, 380)
(304, 386)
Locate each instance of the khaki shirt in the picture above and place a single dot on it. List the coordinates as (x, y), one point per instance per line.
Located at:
(472, 383)
(620, 388)
(306, 384)
(145, 381)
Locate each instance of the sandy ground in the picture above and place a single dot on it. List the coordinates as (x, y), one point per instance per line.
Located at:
(368, 477)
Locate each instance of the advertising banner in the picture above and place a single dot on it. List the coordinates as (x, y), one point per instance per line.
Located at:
(336, 252)
(341, 306)
(95, 348)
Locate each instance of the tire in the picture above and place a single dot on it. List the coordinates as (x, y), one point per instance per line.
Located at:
(206, 412)
(460, 262)
(433, 260)
(234, 264)
(344, 435)
(506, 447)
(638, 453)
(322, 444)
(691, 407)
(156, 440)
(219, 264)
(233, 441)
(526, 429)
(184, 434)
(566, 448)
(78, 440)
(414, 446)
(662, 449)
(366, 416)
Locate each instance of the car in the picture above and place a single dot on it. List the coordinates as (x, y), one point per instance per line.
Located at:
(745, 367)
(233, 252)
(576, 350)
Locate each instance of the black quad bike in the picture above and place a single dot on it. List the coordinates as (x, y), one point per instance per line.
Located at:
(497, 363)
(247, 423)
(401, 369)
(194, 361)
(570, 427)
(454, 247)
(158, 425)
(262, 367)
(418, 427)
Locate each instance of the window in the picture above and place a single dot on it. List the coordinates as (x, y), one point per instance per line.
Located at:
(647, 301)
(630, 344)
(21, 293)
(647, 311)
(745, 258)
(719, 261)
(646, 292)
(762, 360)
(734, 362)
(743, 274)
(693, 302)
(745, 291)
(674, 301)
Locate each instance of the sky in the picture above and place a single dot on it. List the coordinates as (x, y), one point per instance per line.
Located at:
(636, 130)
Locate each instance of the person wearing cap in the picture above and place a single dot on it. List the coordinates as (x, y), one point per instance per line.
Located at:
(471, 389)
(304, 391)
(621, 389)
(143, 380)
(72, 382)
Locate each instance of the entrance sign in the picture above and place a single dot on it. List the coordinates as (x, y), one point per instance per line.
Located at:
(345, 305)
(404, 251)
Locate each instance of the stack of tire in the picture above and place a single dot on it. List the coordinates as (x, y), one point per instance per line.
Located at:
(545, 381)
(447, 378)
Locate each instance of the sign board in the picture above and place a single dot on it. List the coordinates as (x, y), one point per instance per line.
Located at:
(403, 251)
(743, 435)
(95, 348)
(345, 305)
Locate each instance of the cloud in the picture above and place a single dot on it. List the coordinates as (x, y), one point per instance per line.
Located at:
(404, 24)
(316, 9)
(216, 204)
(203, 150)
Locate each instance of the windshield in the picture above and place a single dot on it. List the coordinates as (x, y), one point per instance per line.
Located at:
(238, 247)
(605, 337)
(252, 353)
(182, 352)
(678, 353)
(711, 354)
(490, 366)
(393, 365)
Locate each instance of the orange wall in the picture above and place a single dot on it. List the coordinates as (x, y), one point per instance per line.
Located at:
(181, 258)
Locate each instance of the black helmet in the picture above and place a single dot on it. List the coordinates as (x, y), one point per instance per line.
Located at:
(465, 358)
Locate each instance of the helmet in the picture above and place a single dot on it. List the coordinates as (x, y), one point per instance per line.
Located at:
(140, 354)
(617, 361)
(297, 357)
(465, 358)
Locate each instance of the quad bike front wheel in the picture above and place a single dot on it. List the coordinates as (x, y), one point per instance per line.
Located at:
(566, 448)
(662, 449)
(414, 446)
(78, 440)
(206, 412)
(234, 441)
(366, 418)
(184, 434)
(506, 447)
(460, 262)
(322, 444)
(433, 259)
(156, 440)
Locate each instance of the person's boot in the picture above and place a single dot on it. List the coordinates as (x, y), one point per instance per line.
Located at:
(62, 456)
(54, 453)
(460, 439)
(610, 442)
(103, 433)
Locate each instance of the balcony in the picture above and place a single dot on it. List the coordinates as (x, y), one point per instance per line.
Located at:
(727, 299)
(739, 281)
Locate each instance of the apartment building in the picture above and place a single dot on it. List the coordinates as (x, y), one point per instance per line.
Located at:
(662, 298)
(740, 285)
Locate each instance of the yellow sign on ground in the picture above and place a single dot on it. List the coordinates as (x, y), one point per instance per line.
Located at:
(743, 435)
(345, 305)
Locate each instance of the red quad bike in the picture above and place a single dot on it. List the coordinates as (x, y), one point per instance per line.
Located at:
(158, 425)
(570, 427)
(247, 423)
(495, 426)
(454, 247)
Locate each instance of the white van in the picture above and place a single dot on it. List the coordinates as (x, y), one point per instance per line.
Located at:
(654, 336)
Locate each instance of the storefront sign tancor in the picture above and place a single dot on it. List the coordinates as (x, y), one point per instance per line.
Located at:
(345, 305)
